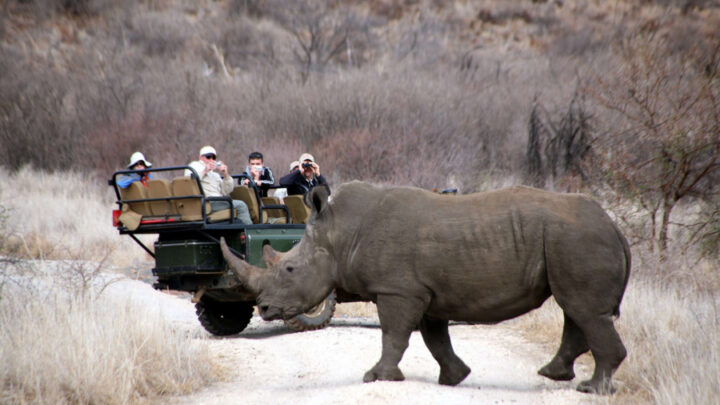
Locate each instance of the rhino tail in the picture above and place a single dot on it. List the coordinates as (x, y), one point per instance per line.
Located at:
(628, 266)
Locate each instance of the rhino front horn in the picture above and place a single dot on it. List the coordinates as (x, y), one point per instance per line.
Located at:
(247, 274)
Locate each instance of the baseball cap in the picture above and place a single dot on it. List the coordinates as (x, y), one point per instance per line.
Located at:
(138, 157)
(207, 150)
(294, 165)
(306, 156)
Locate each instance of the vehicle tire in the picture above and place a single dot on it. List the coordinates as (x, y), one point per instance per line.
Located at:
(316, 318)
(223, 318)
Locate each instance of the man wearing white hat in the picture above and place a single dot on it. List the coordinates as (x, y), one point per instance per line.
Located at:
(137, 162)
(210, 169)
(303, 180)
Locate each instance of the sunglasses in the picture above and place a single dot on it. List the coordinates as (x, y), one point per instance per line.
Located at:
(210, 156)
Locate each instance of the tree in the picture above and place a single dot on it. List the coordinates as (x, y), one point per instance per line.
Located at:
(661, 141)
(323, 30)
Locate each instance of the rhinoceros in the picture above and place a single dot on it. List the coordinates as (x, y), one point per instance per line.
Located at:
(426, 259)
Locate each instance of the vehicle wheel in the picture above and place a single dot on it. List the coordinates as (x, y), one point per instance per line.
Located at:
(223, 318)
(316, 318)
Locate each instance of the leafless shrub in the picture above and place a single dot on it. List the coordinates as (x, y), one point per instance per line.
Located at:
(667, 106)
(558, 147)
(325, 32)
(160, 34)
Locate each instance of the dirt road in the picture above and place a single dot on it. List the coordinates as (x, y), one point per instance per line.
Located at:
(271, 365)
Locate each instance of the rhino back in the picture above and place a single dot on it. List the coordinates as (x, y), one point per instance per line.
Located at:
(482, 257)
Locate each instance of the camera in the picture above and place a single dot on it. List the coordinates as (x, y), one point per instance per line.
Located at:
(306, 165)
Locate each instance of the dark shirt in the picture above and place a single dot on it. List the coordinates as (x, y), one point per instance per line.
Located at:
(296, 183)
(266, 180)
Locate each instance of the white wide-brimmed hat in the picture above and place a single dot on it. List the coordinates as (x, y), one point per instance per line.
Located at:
(138, 157)
(306, 156)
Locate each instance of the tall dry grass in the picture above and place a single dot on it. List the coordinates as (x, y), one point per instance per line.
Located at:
(70, 343)
(63, 215)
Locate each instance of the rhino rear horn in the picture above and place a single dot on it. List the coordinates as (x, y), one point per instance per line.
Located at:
(271, 256)
(246, 273)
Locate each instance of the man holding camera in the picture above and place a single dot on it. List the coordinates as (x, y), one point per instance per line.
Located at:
(305, 178)
(261, 175)
(216, 182)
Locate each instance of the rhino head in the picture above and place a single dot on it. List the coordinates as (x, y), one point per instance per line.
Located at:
(295, 281)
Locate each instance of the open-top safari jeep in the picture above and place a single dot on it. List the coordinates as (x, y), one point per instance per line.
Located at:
(187, 250)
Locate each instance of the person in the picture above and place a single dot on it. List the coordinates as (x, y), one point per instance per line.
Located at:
(216, 182)
(281, 193)
(261, 175)
(137, 162)
(294, 165)
(305, 178)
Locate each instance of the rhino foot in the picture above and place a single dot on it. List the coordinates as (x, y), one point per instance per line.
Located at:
(454, 375)
(596, 387)
(383, 374)
(556, 372)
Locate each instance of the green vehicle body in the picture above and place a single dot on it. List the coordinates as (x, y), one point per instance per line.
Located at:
(188, 258)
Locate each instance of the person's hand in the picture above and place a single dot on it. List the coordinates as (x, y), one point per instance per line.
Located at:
(222, 168)
(256, 172)
(209, 165)
(245, 181)
(316, 169)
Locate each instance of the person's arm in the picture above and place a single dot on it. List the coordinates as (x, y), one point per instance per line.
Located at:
(321, 180)
(228, 183)
(290, 179)
(124, 181)
(267, 177)
(198, 166)
(293, 183)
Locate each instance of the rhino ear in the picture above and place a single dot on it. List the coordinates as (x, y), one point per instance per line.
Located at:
(271, 256)
(317, 198)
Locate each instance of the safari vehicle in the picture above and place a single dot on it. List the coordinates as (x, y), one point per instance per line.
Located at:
(187, 249)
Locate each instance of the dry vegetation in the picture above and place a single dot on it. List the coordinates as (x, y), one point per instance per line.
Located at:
(64, 340)
(617, 99)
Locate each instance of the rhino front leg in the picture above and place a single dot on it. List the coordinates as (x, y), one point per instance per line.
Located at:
(437, 339)
(398, 317)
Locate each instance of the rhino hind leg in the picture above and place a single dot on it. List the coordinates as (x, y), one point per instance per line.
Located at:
(572, 345)
(435, 334)
(608, 351)
(398, 317)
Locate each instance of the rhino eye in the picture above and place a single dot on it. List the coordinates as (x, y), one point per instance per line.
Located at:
(289, 269)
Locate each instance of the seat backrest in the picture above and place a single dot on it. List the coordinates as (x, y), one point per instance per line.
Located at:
(136, 191)
(247, 195)
(190, 209)
(160, 188)
(273, 212)
(299, 212)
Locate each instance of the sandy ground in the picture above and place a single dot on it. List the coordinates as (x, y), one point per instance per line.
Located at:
(271, 365)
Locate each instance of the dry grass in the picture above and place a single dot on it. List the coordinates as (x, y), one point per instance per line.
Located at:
(63, 215)
(63, 344)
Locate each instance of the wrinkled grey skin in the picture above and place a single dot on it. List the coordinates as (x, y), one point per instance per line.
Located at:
(426, 259)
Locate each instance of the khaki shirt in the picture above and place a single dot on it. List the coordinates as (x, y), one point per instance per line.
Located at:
(212, 183)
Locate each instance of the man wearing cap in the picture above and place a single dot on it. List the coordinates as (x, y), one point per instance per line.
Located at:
(137, 162)
(209, 169)
(261, 175)
(305, 178)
